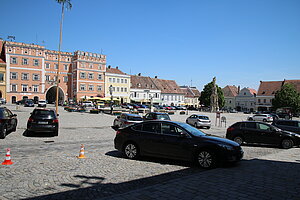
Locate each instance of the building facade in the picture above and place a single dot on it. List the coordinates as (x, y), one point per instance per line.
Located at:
(246, 100)
(191, 96)
(120, 84)
(230, 92)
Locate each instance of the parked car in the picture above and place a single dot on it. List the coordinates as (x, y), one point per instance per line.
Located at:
(156, 116)
(29, 103)
(21, 102)
(8, 122)
(288, 125)
(261, 117)
(42, 103)
(2, 101)
(43, 120)
(199, 121)
(261, 133)
(88, 104)
(176, 140)
(126, 119)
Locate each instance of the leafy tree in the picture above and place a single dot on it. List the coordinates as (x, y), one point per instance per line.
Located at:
(287, 97)
(206, 93)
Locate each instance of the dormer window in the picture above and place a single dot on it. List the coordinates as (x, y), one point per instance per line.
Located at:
(139, 85)
(263, 92)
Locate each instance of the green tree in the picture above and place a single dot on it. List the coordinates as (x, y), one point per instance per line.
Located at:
(287, 96)
(68, 5)
(206, 93)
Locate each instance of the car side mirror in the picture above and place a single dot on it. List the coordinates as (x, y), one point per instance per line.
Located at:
(57, 115)
(14, 115)
(118, 117)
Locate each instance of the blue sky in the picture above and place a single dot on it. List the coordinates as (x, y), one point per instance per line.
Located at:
(239, 41)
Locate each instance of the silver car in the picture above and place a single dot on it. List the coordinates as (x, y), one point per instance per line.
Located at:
(199, 121)
(261, 117)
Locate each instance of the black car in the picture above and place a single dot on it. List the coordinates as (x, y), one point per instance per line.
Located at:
(43, 120)
(156, 116)
(8, 122)
(29, 103)
(261, 133)
(288, 125)
(175, 140)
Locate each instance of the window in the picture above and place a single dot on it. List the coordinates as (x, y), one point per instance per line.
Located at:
(265, 100)
(35, 88)
(151, 127)
(65, 79)
(82, 74)
(99, 76)
(122, 89)
(264, 127)
(91, 66)
(91, 88)
(169, 129)
(125, 89)
(56, 66)
(13, 75)
(110, 80)
(118, 89)
(25, 76)
(99, 87)
(91, 76)
(100, 66)
(25, 61)
(83, 65)
(122, 80)
(47, 77)
(258, 100)
(118, 80)
(114, 80)
(66, 67)
(47, 65)
(249, 125)
(13, 87)
(24, 88)
(36, 62)
(82, 87)
(35, 77)
(13, 60)
(1, 77)
(125, 80)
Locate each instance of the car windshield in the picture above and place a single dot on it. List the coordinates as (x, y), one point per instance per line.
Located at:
(192, 130)
(134, 118)
(163, 117)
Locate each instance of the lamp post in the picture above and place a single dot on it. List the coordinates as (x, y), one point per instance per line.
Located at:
(111, 98)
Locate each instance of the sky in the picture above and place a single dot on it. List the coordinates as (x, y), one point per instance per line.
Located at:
(240, 42)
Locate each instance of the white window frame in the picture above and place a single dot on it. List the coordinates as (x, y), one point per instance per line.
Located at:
(91, 76)
(82, 75)
(99, 87)
(35, 77)
(91, 88)
(25, 76)
(47, 65)
(82, 87)
(13, 60)
(24, 61)
(99, 76)
(66, 67)
(47, 77)
(35, 88)
(12, 86)
(35, 62)
(55, 66)
(65, 79)
(14, 75)
(24, 88)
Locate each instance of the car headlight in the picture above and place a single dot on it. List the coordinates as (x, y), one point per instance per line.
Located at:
(226, 146)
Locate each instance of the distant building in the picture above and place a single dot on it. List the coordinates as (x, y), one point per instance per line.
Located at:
(171, 94)
(120, 83)
(230, 92)
(245, 100)
(191, 96)
(266, 92)
(2, 74)
(143, 90)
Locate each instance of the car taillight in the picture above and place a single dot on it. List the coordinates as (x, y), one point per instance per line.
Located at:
(118, 132)
(30, 120)
(127, 122)
(55, 121)
(230, 129)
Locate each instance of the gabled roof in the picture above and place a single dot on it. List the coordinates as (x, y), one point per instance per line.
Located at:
(268, 88)
(230, 91)
(142, 82)
(167, 86)
(296, 84)
(191, 92)
(114, 70)
(1, 61)
(252, 91)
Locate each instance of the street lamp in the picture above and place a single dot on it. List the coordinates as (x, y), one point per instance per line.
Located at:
(111, 98)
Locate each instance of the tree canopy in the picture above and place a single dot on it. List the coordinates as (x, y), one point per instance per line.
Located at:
(206, 93)
(287, 97)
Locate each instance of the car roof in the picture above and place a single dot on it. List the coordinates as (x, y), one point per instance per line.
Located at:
(158, 113)
(286, 120)
(48, 109)
(132, 115)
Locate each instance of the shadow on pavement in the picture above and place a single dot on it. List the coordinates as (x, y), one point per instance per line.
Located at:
(27, 133)
(252, 179)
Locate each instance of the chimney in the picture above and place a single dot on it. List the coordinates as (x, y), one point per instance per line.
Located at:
(109, 67)
(139, 74)
(155, 76)
(117, 67)
(239, 88)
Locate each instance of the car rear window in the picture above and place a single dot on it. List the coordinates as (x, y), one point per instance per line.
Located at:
(163, 117)
(134, 118)
(203, 117)
(44, 112)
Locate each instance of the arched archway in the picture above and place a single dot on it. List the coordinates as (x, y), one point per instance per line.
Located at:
(51, 95)
(0, 94)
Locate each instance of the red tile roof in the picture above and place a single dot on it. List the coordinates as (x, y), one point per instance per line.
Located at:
(167, 86)
(252, 91)
(268, 88)
(114, 70)
(191, 92)
(1, 61)
(230, 91)
(296, 84)
(142, 82)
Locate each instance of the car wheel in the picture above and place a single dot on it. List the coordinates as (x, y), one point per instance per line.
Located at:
(196, 125)
(208, 127)
(131, 150)
(186, 121)
(264, 120)
(238, 140)
(206, 159)
(250, 119)
(287, 143)
(3, 132)
(14, 127)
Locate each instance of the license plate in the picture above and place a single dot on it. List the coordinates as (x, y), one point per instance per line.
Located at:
(42, 122)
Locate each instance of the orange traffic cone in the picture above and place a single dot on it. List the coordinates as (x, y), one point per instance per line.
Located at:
(7, 160)
(81, 153)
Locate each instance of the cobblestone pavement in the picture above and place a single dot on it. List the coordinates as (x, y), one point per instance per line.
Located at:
(47, 167)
